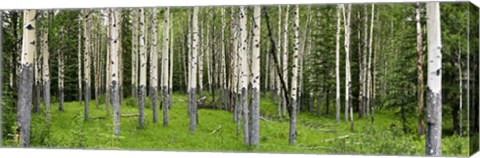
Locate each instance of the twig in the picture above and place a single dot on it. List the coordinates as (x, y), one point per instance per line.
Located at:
(216, 130)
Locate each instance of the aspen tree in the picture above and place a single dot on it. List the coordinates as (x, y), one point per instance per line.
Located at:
(108, 66)
(285, 58)
(79, 59)
(165, 69)
(153, 66)
(337, 65)
(61, 68)
(115, 51)
(143, 69)
(26, 78)
(86, 64)
(223, 76)
(134, 15)
(279, 50)
(242, 53)
(420, 115)
(294, 83)
(369, 65)
(45, 67)
(254, 137)
(191, 96)
(234, 63)
(434, 82)
(347, 65)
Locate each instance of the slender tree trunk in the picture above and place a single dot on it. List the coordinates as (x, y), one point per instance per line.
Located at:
(460, 87)
(347, 68)
(369, 66)
(153, 66)
(134, 51)
(192, 103)
(37, 86)
(165, 70)
(60, 71)
(115, 51)
(79, 59)
(434, 82)
(285, 58)
(45, 67)
(243, 72)
(223, 67)
(254, 137)
(86, 22)
(279, 50)
(293, 111)
(26, 78)
(109, 67)
(143, 69)
(420, 115)
(337, 65)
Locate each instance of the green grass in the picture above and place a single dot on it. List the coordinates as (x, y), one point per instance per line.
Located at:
(316, 134)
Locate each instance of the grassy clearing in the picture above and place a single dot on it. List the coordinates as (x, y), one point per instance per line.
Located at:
(316, 134)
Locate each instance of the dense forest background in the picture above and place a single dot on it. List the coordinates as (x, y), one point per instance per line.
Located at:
(393, 89)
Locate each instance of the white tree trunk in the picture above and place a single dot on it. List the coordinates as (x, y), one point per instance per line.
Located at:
(337, 65)
(243, 72)
(347, 65)
(369, 66)
(115, 51)
(165, 68)
(293, 102)
(191, 97)
(45, 67)
(285, 58)
(254, 137)
(434, 82)
(143, 68)
(86, 61)
(79, 59)
(134, 51)
(153, 66)
(26, 78)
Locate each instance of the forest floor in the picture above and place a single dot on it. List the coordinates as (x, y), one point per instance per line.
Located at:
(316, 134)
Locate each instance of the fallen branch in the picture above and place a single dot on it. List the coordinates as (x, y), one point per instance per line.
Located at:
(128, 115)
(219, 128)
(121, 115)
(263, 118)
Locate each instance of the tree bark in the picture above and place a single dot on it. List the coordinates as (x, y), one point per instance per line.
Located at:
(293, 111)
(337, 65)
(434, 82)
(143, 69)
(79, 59)
(254, 137)
(347, 65)
(285, 58)
(420, 114)
(165, 70)
(26, 78)
(60, 72)
(86, 36)
(153, 66)
(242, 53)
(134, 52)
(115, 51)
(191, 96)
